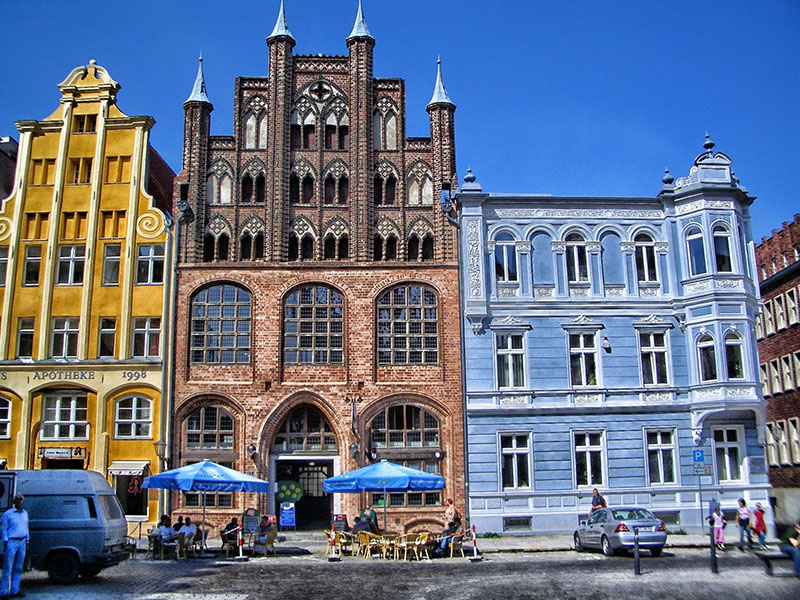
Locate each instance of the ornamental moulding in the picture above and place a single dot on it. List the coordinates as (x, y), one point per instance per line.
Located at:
(579, 213)
(703, 204)
(474, 260)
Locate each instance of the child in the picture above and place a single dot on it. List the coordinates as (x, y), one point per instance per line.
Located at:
(758, 526)
(717, 519)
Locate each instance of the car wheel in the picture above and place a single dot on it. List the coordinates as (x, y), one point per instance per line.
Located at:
(63, 568)
(606, 545)
(578, 545)
(656, 551)
(89, 572)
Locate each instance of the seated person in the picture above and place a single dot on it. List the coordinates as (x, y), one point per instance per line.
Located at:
(165, 530)
(361, 525)
(454, 528)
(178, 524)
(189, 531)
(267, 532)
(231, 531)
(368, 514)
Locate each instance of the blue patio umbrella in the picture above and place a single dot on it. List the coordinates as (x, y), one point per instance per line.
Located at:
(206, 476)
(383, 476)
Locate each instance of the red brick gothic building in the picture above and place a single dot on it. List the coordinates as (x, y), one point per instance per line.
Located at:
(317, 319)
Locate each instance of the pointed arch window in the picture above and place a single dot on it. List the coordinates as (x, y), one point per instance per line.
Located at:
(344, 247)
(337, 132)
(420, 190)
(294, 189)
(408, 326)
(391, 248)
(255, 130)
(313, 326)
(307, 247)
(385, 130)
(412, 247)
(385, 190)
(303, 131)
(247, 188)
(225, 189)
(208, 247)
(261, 188)
(336, 191)
(427, 247)
(223, 247)
(258, 246)
(211, 190)
(707, 358)
(330, 247)
(695, 248)
(305, 430)
(734, 362)
(246, 246)
(505, 258)
(308, 189)
(722, 249)
(221, 325)
(577, 266)
(294, 247)
(645, 251)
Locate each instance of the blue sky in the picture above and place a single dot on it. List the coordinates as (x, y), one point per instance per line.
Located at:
(575, 98)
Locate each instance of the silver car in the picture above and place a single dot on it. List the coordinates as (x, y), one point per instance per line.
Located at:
(612, 529)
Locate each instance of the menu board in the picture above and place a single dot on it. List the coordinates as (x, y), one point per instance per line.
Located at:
(288, 515)
(250, 522)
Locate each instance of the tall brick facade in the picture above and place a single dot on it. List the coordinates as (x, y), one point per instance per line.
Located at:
(317, 320)
(778, 330)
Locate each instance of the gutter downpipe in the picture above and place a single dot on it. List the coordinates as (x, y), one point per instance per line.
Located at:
(165, 393)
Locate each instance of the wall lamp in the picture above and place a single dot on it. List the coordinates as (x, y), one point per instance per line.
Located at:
(352, 401)
(161, 451)
(606, 345)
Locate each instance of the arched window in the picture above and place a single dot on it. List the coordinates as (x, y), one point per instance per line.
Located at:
(294, 189)
(344, 247)
(645, 258)
(305, 430)
(391, 189)
(337, 132)
(696, 250)
(294, 247)
(250, 131)
(344, 189)
(505, 258)
(377, 248)
(307, 248)
(733, 356)
(412, 247)
(262, 130)
(390, 131)
(246, 247)
(209, 432)
(221, 325)
(223, 244)
(134, 418)
(303, 131)
(577, 268)
(419, 189)
(313, 326)
(408, 326)
(247, 188)
(208, 247)
(5, 416)
(308, 189)
(225, 189)
(401, 433)
(722, 250)
(261, 188)
(258, 246)
(211, 189)
(330, 247)
(391, 247)
(377, 195)
(427, 247)
(385, 190)
(330, 189)
(707, 358)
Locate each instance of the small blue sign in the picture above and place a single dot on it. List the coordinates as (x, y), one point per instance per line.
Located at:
(287, 515)
(699, 456)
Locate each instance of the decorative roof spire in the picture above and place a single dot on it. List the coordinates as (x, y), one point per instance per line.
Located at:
(281, 26)
(708, 144)
(439, 93)
(360, 28)
(199, 90)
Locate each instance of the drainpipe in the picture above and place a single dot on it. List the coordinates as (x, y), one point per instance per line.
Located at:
(447, 204)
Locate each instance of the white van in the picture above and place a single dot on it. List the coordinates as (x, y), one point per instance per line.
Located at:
(77, 526)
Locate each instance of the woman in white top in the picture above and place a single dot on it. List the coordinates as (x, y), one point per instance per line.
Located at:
(743, 521)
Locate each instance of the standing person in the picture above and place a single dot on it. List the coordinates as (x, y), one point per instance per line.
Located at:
(717, 519)
(790, 544)
(743, 521)
(451, 512)
(597, 501)
(14, 526)
(758, 525)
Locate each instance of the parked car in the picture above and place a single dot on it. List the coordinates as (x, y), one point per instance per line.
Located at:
(77, 526)
(612, 529)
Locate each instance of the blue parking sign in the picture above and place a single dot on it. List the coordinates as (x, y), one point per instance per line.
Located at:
(698, 456)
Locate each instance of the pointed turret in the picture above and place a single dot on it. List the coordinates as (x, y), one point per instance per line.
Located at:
(360, 28)
(439, 92)
(281, 28)
(199, 90)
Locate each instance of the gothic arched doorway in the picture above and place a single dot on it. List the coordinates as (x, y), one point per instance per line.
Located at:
(304, 449)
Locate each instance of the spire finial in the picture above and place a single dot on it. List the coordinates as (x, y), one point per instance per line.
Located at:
(439, 92)
(281, 26)
(708, 144)
(360, 28)
(199, 90)
(667, 179)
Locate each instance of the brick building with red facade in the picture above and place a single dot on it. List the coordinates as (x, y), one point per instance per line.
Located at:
(778, 331)
(318, 316)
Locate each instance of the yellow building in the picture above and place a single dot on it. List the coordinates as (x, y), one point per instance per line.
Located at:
(85, 270)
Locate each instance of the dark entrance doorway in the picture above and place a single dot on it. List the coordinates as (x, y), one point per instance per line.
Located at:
(314, 510)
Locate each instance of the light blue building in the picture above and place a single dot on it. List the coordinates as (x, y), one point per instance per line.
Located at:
(605, 341)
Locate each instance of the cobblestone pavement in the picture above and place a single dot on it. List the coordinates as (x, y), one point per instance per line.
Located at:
(680, 573)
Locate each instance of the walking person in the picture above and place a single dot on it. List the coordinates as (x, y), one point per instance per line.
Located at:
(758, 525)
(717, 520)
(14, 526)
(743, 521)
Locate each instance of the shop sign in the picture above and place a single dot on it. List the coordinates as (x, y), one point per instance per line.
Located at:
(76, 452)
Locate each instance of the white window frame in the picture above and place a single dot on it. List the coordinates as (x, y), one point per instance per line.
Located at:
(110, 261)
(793, 434)
(5, 418)
(738, 444)
(149, 256)
(661, 447)
(764, 374)
(32, 258)
(700, 345)
(796, 361)
(106, 331)
(507, 249)
(588, 449)
(645, 253)
(786, 372)
(64, 335)
(583, 351)
(769, 321)
(693, 234)
(141, 415)
(144, 329)
(516, 452)
(771, 445)
(734, 338)
(31, 330)
(721, 232)
(792, 312)
(775, 379)
(577, 255)
(780, 312)
(65, 402)
(509, 354)
(651, 351)
(783, 445)
(74, 257)
(759, 326)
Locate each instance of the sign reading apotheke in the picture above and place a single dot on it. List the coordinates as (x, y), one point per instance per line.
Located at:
(65, 375)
